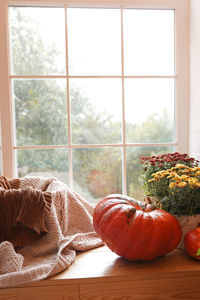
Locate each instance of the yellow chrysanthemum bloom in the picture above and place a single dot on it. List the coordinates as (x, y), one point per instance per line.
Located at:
(176, 177)
(193, 180)
(174, 168)
(181, 166)
(181, 184)
(183, 171)
(170, 176)
(156, 176)
(164, 174)
(172, 185)
(184, 177)
(151, 180)
(173, 174)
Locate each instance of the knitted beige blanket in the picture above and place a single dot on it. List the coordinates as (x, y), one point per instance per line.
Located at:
(69, 225)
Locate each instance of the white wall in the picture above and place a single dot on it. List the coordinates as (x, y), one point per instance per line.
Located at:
(195, 78)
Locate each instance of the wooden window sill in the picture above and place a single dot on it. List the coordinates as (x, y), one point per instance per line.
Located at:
(101, 274)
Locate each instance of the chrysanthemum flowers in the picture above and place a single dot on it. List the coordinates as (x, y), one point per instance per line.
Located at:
(180, 175)
(177, 189)
(169, 160)
(163, 163)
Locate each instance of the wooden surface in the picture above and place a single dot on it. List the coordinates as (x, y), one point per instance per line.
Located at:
(100, 274)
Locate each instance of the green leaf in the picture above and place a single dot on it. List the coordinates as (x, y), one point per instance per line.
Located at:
(198, 252)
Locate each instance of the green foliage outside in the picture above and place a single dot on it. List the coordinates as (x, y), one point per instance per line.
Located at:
(41, 119)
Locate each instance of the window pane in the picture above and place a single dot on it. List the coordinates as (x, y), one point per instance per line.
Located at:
(45, 162)
(134, 168)
(149, 110)
(40, 112)
(37, 40)
(94, 39)
(97, 172)
(96, 107)
(148, 42)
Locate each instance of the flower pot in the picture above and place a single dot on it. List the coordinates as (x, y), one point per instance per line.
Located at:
(187, 223)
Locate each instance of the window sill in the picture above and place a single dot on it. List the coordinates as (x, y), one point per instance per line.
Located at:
(101, 274)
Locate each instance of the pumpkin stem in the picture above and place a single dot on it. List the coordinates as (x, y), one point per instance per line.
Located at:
(148, 200)
(150, 207)
(198, 252)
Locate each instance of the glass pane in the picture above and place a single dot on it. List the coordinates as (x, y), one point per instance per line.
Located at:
(37, 40)
(148, 42)
(97, 172)
(96, 111)
(40, 112)
(45, 162)
(94, 38)
(134, 168)
(149, 110)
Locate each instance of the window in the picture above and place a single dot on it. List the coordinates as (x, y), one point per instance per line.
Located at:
(92, 91)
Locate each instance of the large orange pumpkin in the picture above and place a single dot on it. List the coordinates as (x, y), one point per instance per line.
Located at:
(135, 230)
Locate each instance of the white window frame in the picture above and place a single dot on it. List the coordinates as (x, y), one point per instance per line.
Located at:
(181, 75)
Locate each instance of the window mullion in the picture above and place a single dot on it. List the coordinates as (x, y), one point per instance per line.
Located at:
(68, 105)
(182, 80)
(124, 177)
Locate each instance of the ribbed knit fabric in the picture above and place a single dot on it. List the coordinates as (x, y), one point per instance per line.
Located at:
(22, 215)
(7, 183)
(10, 261)
(69, 228)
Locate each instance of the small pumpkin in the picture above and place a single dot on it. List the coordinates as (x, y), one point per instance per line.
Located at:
(135, 230)
(192, 243)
